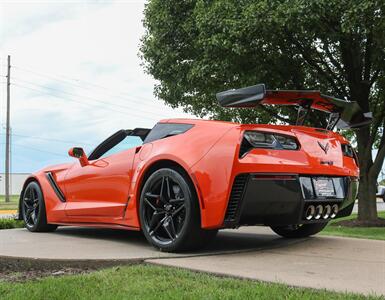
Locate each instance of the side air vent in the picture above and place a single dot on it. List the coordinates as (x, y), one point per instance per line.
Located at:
(55, 187)
(244, 148)
(235, 197)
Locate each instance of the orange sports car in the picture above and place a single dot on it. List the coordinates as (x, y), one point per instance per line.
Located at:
(183, 180)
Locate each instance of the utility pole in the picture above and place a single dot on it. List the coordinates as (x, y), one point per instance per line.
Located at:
(7, 132)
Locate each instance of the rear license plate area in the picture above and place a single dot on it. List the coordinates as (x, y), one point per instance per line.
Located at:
(324, 187)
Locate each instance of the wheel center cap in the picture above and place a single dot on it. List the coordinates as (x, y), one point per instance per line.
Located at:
(167, 207)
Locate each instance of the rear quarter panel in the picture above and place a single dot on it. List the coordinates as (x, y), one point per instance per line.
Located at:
(186, 149)
(214, 175)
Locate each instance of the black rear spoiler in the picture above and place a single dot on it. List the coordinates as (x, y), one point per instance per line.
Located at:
(343, 114)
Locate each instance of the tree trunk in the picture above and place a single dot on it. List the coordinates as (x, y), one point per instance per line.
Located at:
(367, 206)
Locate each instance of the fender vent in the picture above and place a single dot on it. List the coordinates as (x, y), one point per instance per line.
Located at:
(55, 187)
(244, 148)
(235, 197)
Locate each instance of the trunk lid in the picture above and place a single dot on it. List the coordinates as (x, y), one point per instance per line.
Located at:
(321, 145)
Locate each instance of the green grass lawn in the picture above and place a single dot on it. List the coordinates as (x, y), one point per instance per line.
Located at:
(10, 223)
(154, 282)
(9, 205)
(374, 233)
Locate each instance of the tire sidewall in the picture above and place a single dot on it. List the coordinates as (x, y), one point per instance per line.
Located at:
(189, 208)
(36, 186)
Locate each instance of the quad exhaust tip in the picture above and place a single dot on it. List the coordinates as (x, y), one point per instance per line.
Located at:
(327, 212)
(321, 211)
(334, 211)
(310, 211)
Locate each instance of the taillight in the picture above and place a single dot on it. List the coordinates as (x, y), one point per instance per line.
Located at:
(267, 140)
(348, 151)
(259, 139)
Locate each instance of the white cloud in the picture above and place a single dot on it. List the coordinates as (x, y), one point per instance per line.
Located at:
(93, 83)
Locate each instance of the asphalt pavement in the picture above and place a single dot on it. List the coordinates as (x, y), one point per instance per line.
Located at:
(339, 264)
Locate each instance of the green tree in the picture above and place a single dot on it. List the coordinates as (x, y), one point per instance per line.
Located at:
(195, 48)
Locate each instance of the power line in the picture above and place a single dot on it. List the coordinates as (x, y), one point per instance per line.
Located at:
(70, 80)
(84, 97)
(39, 150)
(50, 139)
(84, 103)
(76, 82)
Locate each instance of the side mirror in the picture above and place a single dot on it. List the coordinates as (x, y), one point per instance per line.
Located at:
(79, 153)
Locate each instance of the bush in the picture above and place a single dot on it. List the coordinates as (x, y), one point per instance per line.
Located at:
(10, 223)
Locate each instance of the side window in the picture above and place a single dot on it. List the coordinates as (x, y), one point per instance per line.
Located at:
(162, 130)
(128, 143)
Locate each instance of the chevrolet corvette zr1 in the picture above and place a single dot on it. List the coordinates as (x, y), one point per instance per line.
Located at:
(183, 180)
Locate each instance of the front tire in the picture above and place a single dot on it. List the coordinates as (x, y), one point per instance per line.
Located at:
(169, 212)
(299, 231)
(33, 209)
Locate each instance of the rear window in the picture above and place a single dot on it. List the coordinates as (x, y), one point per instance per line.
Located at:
(162, 130)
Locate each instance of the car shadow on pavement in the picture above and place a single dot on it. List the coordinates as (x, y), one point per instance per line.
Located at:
(227, 241)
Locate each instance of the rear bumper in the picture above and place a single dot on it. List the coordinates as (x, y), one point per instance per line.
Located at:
(282, 199)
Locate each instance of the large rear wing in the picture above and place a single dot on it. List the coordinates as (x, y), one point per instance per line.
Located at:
(343, 114)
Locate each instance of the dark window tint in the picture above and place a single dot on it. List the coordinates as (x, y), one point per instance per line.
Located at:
(162, 130)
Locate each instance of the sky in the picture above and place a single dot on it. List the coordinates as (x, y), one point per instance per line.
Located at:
(76, 77)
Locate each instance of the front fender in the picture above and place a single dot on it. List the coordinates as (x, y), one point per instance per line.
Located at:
(30, 178)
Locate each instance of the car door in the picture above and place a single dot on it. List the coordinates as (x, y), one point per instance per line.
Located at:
(100, 188)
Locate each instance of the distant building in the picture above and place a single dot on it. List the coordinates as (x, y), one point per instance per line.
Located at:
(16, 183)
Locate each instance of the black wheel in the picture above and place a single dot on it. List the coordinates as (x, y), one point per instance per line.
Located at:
(383, 197)
(33, 209)
(299, 231)
(169, 212)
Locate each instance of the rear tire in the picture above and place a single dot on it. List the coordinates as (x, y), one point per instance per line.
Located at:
(170, 214)
(299, 231)
(33, 209)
